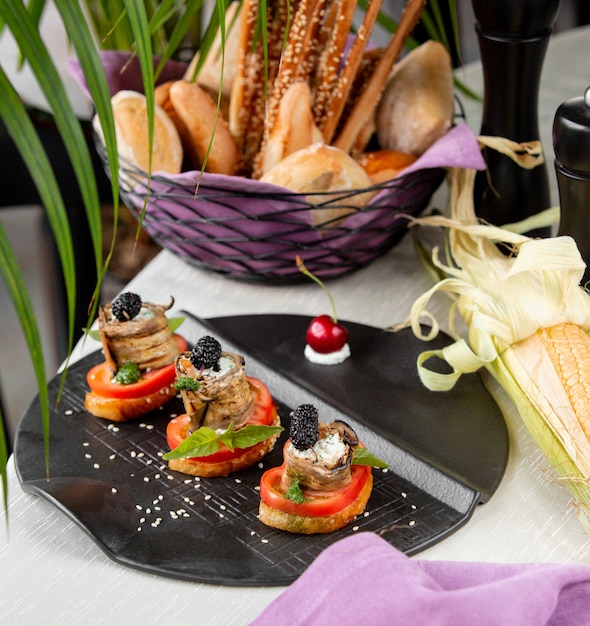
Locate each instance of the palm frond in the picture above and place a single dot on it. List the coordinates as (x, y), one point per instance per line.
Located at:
(89, 59)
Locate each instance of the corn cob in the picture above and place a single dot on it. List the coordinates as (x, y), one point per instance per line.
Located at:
(552, 367)
(568, 349)
(527, 321)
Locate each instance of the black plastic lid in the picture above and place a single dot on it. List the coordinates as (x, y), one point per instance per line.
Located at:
(571, 133)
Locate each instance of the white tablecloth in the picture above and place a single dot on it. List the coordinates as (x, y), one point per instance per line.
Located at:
(53, 573)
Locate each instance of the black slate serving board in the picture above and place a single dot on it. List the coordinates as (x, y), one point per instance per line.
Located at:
(447, 454)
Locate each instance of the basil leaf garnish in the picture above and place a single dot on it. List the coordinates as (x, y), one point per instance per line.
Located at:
(93, 334)
(248, 436)
(175, 322)
(202, 442)
(205, 440)
(363, 457)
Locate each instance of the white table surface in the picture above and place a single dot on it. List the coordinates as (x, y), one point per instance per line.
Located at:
(52, 572)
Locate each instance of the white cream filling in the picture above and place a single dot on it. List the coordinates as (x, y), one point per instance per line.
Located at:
(144, 313)
(225, 364)
(331, 358)
(328, 450)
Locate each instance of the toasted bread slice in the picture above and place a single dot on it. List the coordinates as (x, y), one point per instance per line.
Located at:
(316, 525)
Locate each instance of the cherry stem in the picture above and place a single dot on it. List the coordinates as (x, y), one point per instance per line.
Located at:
(304, 270)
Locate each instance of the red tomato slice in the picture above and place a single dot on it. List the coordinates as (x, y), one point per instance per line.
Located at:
(100, 379)
(264, 412)
(315, 505)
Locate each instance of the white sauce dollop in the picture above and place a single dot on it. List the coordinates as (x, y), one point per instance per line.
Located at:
(331, 358)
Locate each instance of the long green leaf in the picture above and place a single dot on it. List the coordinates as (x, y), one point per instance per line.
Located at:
(31, 150)
(159, 36)
(22, 131)
(96, 83)
(111, 26)
(36, 54)
(433, 22)
(164, 12)
(138, 20)
(184, 25)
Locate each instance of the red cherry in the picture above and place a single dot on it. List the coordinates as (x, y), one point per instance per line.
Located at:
(325, 336)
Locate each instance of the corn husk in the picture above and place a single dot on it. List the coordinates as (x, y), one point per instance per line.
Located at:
(503, 300)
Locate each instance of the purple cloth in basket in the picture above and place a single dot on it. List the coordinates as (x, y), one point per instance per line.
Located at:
(364, 580)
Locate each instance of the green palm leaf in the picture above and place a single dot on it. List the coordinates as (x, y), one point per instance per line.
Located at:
(96, 82)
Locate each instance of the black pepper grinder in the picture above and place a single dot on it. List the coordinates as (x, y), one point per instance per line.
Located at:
(571, 142)
(513, 36)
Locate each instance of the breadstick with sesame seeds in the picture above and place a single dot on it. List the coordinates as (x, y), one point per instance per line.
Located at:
(261, 60)
(258, 68)
(339, 96)
(314, 42)
(293, 56)
(367, 66)
(242, 92)
(341, 13)
(290, 70)
(369, 99)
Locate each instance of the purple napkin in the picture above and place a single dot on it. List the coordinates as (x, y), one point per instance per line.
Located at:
(364, 580)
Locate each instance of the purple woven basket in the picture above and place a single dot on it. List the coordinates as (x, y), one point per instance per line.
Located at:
(251, 230)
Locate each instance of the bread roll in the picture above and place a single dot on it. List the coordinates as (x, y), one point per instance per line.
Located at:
(162, 99)
(294, 128)
(131, 127)
(162, 96)
(209, 76)
(322, 168)
(417, 104)
(125, 409)
(198, 122)
(384, 165)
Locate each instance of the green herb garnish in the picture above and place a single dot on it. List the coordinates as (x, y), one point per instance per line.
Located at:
(205, 440)
(94, 334)
(186, 383)
(295, 493)
(175, 322)
(128, 374)
(363, 457)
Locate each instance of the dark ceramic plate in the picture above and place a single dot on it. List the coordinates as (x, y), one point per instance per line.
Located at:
(447, 454)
